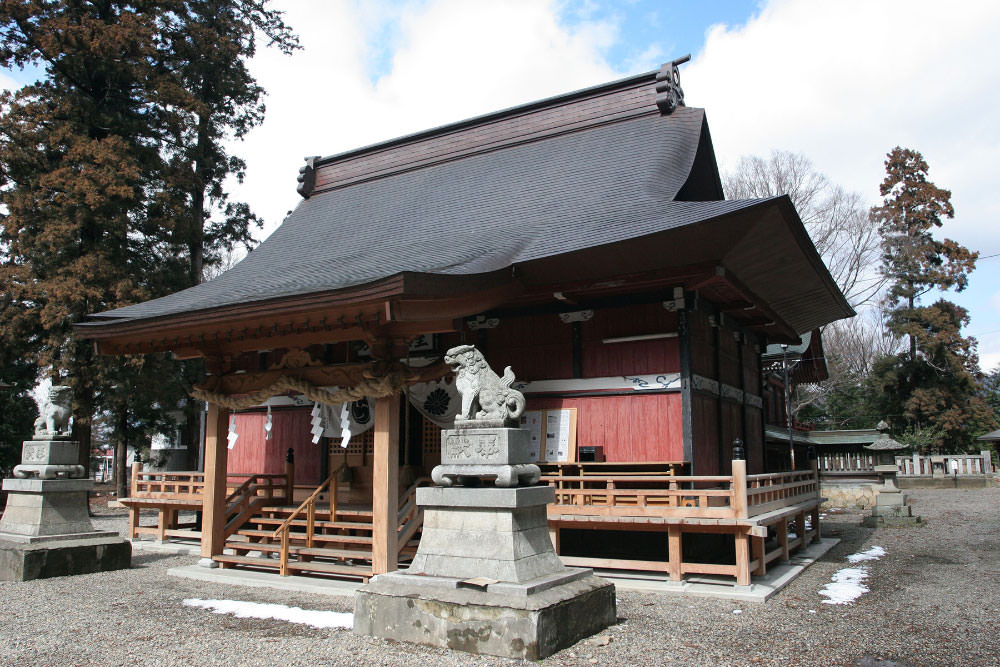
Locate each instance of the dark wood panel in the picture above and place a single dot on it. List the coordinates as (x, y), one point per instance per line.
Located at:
(702, 344)
(704, 416)
(754, 441)
(488, 135)
(730, 369)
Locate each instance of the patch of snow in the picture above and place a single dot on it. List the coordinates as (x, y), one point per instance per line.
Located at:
(737, 611)
(241, 609)
(872, 554)
(847, 585)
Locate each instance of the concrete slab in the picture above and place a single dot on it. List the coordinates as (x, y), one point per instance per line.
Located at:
(759, 590)
(267, 580)
(172, 548)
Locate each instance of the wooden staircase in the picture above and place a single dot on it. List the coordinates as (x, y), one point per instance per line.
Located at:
(317, 540)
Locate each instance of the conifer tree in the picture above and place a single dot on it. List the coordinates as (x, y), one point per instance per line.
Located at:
(106, 165)
(913, 261)
(931, 390)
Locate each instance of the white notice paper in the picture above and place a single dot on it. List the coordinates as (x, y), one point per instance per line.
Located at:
(557, 435)
(532, 420)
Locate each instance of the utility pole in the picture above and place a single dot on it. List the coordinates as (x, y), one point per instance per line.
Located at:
(788, 403)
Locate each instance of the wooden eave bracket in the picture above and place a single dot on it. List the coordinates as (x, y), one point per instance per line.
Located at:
(748, 302)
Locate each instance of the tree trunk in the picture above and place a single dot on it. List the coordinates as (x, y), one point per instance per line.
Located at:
(121, 452)
(196, 242)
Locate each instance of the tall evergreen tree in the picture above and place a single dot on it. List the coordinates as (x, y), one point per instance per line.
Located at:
(110, 166)
(913, 261)
(931, 390)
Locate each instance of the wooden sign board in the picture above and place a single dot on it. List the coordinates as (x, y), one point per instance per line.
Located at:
(553, 434)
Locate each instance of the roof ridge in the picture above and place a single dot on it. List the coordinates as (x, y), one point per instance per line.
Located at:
(581, 110)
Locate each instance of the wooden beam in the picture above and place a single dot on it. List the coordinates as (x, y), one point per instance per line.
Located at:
(341, 375)
(213, 521)
(385, 485)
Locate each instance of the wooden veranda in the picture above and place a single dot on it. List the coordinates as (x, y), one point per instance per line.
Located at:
(765, 515)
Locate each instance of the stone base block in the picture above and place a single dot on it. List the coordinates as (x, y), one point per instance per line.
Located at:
(60, 558)
(37, 507)
(894, 510)
(528, 627)
(499, 534)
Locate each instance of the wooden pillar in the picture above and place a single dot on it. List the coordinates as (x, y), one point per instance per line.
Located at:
(815, 524)
(385, 485)
(739, 489)
(758, 553)
(674, 552)
(742, 558)
(783, 539)
(213, 522)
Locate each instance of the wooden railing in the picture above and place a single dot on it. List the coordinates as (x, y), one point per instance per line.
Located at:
(191, 485)
(283, 532)
(411, 516)
(766, 493)
(177, 485)
(256, 491)
(736, 496)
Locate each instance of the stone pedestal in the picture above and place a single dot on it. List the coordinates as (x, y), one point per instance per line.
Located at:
(486, 580)
(501, 454)
(890, 503)
(45, 530)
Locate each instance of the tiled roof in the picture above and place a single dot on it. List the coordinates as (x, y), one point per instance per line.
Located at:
(473, 215)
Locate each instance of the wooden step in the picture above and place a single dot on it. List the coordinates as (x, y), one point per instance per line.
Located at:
(362, 571)
(314, 552)
(340, 525)
(285, 511)
(317, 537)
(248, 561)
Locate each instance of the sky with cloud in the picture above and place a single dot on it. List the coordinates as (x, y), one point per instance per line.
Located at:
(841, 82)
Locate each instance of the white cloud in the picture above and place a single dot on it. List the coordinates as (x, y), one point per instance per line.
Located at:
(7, 82)
(451, 59)
(845, 82)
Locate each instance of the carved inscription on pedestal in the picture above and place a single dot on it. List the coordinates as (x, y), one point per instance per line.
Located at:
(34, 454)
(475, 447)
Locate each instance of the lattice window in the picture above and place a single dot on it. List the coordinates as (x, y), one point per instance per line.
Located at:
(431, 437)
(362, 443)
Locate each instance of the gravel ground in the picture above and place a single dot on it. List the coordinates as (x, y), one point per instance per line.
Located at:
(933, 601)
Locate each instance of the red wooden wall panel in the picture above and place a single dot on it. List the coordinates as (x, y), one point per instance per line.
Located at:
(253, 453)
(602, 359)
(630, 428)
(537, 348)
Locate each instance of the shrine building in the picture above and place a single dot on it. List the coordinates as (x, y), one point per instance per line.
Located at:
(584, 241)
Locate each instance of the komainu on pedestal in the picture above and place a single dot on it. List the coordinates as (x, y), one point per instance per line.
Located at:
(486, 578)
(45, 530)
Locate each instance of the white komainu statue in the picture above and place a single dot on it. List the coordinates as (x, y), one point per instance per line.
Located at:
(54, 413)
(486, 397)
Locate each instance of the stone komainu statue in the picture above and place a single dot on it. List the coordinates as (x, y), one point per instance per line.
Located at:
(486, 397)
(54, 414)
